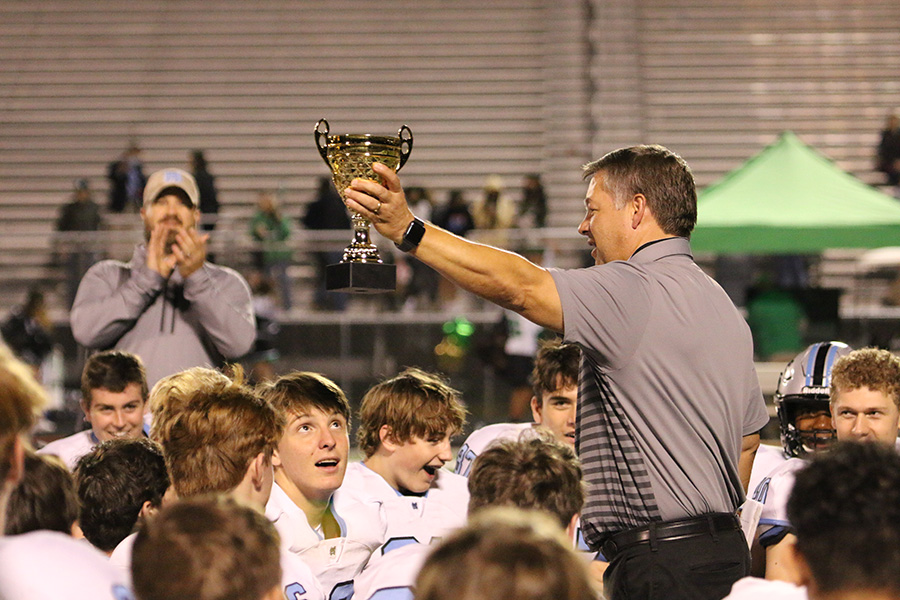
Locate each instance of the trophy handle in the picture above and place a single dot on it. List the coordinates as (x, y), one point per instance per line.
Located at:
(406, 144)
(322, 140)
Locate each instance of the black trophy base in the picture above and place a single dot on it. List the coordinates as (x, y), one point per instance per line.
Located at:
(361, 278)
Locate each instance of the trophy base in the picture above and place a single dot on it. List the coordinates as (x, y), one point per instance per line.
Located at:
(361, 278)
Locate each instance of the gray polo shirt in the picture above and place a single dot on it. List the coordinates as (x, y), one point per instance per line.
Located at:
(667, 388)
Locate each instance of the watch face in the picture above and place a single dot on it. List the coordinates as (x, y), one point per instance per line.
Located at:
(413, 235)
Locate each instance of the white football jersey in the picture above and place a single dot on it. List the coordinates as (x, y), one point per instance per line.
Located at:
(393, 575)
(409, 519)
(70, 449)
(48, 565)
(773, 492)
(767, 459)
(481, 438)
(335, 561)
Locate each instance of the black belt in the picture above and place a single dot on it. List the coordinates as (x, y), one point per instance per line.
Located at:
(710, 524)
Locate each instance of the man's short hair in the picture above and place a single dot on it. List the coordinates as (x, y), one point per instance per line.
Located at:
(211, 428)
(845, 509)
(45, 498)
(535, 472)
(113, 481)
(21, 398)
(112, 370)
(878, 370)
(505, 553)
(206, 548)
(556, 365)
(414, 403)
(298, 392)
(663, 177)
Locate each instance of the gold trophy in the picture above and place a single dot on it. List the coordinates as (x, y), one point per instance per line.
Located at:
(361, 269)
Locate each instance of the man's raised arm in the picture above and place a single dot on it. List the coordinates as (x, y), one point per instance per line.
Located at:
(502, 277)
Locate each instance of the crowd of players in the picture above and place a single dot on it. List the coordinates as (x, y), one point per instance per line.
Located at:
(241, 492)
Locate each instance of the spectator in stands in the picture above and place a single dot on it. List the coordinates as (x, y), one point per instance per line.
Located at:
(422, 288)
(327, 212)
(81, 214)
(126, 180)
(40, 565)
(455, 216)
(168, 305)
(113, 398)
(889, 150)
(211, 548)
(45, 499)
(494, 212)
(27, 329)
(271, 230)
(119, 483)
(534, 202)
(206, 185)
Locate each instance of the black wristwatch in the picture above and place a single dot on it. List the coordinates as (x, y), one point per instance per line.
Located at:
(413, 235)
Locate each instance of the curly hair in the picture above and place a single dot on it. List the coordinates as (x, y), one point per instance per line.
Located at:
(878, 370)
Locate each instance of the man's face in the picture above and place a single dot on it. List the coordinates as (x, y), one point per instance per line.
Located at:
(556, 412)
(116, 414)
(414, 464)
(604, 225)
(171, 211)
(865, 415)
(312, 454)
(816, 431)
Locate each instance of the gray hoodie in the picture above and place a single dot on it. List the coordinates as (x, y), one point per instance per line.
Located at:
(172, 324)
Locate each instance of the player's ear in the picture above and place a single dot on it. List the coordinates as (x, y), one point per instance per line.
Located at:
(386, 435)
(536, 409)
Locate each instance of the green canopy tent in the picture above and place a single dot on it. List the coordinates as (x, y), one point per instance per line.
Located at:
(789, 199)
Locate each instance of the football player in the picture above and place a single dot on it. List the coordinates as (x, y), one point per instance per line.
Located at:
(553, 405)
(406, 423)
(40, 565)
(114, 393)
(336, 541)
(864, 399)
(219, 436)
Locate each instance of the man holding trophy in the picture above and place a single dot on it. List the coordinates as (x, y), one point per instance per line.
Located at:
(669, 402)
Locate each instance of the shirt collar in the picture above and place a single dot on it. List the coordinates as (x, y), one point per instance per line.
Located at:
(657, 249)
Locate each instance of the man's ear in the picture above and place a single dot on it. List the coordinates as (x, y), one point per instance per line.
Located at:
(537, 408)
(639, 209)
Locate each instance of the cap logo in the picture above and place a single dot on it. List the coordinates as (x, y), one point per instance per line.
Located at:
(172, 177)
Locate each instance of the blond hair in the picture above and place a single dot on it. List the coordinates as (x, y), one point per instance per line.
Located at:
(211, 432)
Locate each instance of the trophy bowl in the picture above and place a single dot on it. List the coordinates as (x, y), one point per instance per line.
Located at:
(349, 156)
